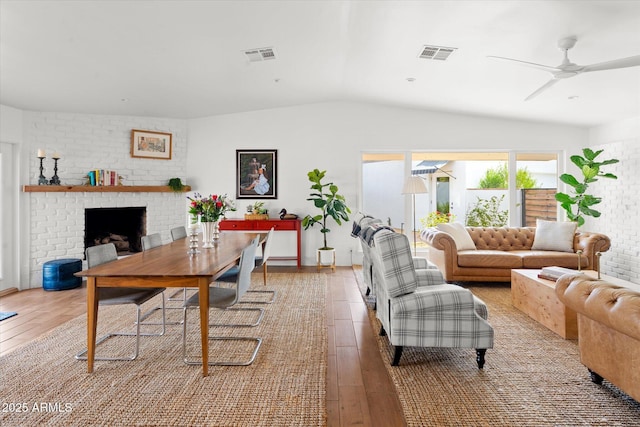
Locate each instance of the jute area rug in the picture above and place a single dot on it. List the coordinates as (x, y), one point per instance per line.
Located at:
(532, 377)
(42, 383)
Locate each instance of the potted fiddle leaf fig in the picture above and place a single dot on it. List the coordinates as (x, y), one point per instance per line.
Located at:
(331, 205)
(580, 204)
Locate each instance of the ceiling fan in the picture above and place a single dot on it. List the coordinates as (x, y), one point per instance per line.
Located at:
(568, 69)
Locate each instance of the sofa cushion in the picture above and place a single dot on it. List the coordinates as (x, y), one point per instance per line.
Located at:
(460, 235)
(539, 259)
(489, 259)
(554, 236)
(502, 238)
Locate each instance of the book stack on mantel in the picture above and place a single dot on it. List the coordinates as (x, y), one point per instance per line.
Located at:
(102, 177)
(554, 273)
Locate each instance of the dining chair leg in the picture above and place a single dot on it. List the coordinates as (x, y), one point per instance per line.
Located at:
(172, 297)
(163, 308)
(163, 323)
(264, 273)
(252, 357)
(241, 325)
(137, 334)
(269, 301)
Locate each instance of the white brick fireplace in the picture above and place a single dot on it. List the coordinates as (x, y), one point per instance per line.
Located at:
(54, 225)
(57, 221)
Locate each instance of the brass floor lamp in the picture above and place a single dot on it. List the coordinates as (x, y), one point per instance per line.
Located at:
(414, 185)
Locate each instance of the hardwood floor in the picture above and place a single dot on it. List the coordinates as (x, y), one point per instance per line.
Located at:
(359, 390)
(38, 311)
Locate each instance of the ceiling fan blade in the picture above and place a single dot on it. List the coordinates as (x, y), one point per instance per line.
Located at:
(544, 87)
(632, 61)
(527, 64)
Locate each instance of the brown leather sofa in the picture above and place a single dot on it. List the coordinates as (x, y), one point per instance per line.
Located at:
(499, 250)
(608, 328)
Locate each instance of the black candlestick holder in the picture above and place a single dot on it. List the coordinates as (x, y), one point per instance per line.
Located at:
(41, 179)
(54, 179)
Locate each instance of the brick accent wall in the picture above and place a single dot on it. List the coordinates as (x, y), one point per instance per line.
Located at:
(620, 210)
(85, 142)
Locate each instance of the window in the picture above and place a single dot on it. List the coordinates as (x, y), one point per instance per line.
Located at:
(456, 181)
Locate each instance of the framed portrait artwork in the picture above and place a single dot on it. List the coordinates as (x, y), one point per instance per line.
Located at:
(150, 144)
(256, 174)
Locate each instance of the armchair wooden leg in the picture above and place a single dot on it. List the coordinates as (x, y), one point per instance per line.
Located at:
(595, 377)
(396, 355)
(480, 352)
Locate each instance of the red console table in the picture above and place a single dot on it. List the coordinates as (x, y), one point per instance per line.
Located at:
(266, 225)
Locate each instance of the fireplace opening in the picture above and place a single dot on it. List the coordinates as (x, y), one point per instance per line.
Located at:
(124, 227)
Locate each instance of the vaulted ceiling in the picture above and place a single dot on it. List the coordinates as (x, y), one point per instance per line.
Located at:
(186, 59)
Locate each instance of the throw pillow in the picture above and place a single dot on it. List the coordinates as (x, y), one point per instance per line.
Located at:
(463, 239)
(554, 236)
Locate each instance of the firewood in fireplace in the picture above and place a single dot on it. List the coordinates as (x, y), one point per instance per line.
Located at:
(121, 245)
(120, 241)
(118, 237)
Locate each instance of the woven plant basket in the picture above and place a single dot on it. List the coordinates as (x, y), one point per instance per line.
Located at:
(256, 216)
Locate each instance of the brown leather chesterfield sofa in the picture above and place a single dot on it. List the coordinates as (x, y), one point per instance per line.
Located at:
(608, 328)
(499, 250)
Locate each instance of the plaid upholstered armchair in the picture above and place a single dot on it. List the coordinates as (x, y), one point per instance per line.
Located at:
(359, 226)
(417, 308)
(364, 228)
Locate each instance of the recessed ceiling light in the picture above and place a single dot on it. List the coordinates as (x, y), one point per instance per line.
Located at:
(411, 79)
(276, 80)
(125, 100)
(573, 97)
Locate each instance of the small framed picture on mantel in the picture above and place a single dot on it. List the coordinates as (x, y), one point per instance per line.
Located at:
(150, 144)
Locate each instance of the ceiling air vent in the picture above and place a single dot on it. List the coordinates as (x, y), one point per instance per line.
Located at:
(437, 53)
(260, 54)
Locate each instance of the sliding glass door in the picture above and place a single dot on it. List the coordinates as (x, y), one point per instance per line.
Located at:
(473, 188)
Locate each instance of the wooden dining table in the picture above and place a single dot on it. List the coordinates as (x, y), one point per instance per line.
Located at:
(168, 265)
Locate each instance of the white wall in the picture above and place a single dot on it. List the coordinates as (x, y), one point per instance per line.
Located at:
(332, 136)
(10, 125)
(620, 205)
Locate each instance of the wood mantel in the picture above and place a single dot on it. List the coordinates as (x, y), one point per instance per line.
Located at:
(101, 189)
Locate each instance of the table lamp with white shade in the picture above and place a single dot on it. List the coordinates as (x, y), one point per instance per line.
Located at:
(414, 185)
